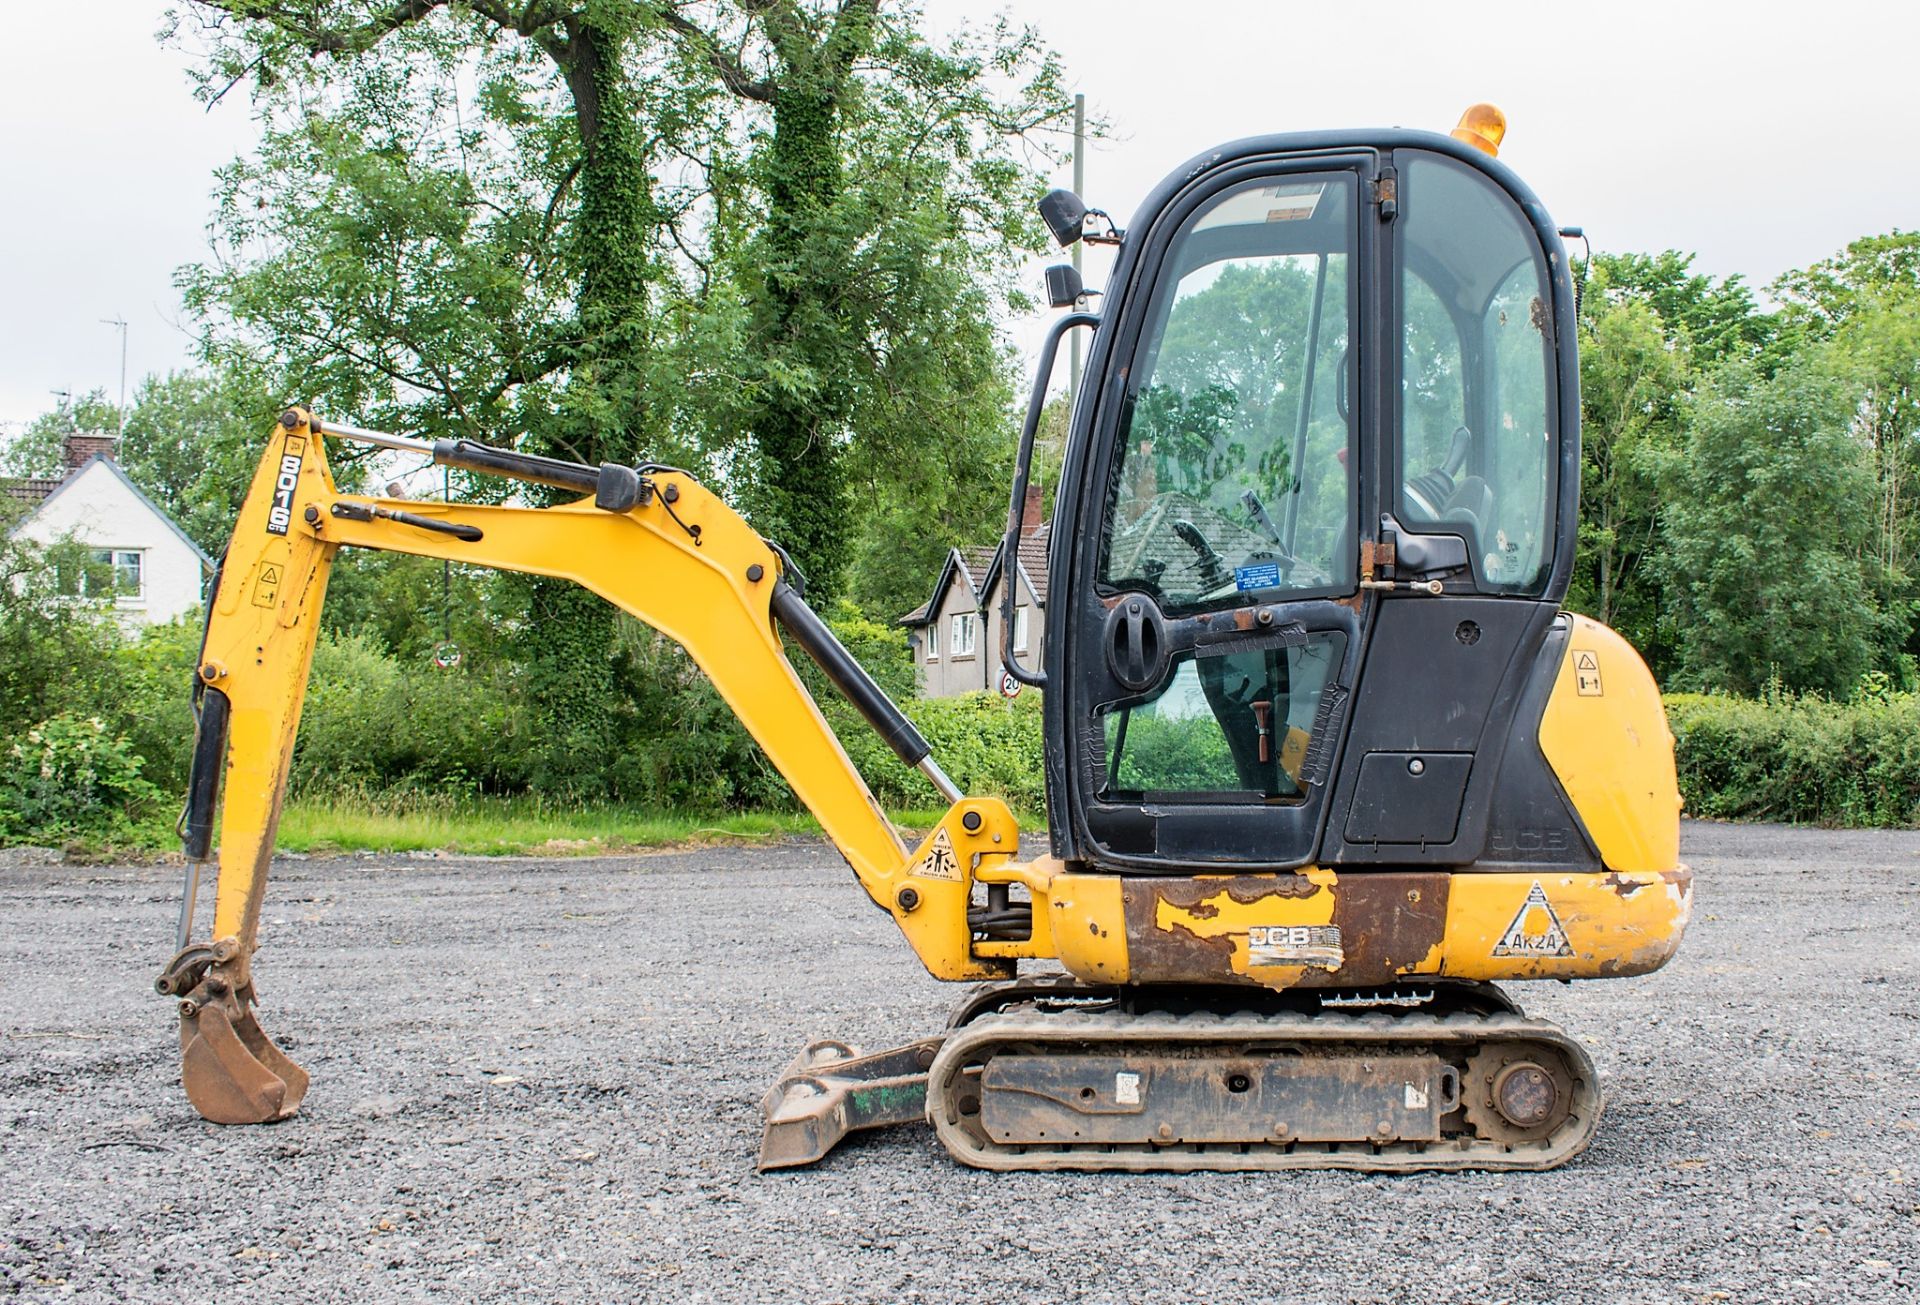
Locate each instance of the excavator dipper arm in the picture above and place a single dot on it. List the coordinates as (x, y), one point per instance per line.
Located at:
(651, 541)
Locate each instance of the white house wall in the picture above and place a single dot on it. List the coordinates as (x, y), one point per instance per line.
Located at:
(97, 509)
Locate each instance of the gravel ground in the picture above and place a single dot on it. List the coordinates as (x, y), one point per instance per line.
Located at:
(537, 1080)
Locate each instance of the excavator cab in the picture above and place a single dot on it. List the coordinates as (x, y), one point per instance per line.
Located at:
(1317, 511)
(1325, 761)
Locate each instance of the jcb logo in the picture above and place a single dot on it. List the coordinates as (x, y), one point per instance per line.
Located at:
(1529, 840)
(1291, 935)
(280, 516)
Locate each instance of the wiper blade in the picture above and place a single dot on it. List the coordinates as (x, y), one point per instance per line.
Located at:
(1258, 511)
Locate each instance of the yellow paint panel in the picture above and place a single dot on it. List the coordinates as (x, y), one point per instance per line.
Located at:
(1610, 926)
(1089, 926)
(1605, 734)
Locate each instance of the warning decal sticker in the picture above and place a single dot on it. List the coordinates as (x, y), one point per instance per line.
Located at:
(266, 586)
(1586, 673)
(939, 861)
(1536, 930)
(1262, 575)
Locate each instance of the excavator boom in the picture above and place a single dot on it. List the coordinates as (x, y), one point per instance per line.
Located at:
(652, 542)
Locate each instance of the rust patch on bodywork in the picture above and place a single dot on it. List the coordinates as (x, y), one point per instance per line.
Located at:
(1160, 952)
(1389, 923)
(1195, 930)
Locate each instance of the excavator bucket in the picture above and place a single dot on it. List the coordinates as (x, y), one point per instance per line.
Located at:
(232, 1071)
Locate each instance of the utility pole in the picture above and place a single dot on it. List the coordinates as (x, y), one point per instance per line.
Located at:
(1079, 185)
(120, 322)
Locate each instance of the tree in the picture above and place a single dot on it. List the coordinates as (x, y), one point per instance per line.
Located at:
(1632, 385)
(745, 238)
(192, 442)
(478, 265)
(1770, 558)
(1861, 309)
(1713, 322)
(865, 238)
(40, 449)
(55, 650)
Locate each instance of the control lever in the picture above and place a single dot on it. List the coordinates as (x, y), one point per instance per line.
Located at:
(1263, 726)
(1213, 567)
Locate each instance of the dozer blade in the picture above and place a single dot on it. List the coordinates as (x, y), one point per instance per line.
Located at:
(232, 1071)
(831, 1090)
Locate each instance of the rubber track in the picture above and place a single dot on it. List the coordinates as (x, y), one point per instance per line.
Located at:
(971, 1045)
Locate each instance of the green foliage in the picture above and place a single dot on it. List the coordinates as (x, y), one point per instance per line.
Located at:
(1806, 759)
(40, 449)
(1176, 754)
(683, 747)
(1767, 559)
(150, 700)
(70, 776)
(54, 649)
(373, 722)
(1711, 322)
(192, 441)
(766, 241)
(880, 646)
(1632, 388)
(988, 745)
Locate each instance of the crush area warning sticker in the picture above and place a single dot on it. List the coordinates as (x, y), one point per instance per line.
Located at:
(1586, 673)
(939, 861)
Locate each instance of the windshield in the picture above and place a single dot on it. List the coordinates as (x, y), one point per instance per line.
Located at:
(1232, 482)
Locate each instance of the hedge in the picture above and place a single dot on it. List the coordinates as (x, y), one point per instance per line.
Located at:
(1804, 760)
(103, 763)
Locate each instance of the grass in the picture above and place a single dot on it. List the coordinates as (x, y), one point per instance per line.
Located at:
(519, 826)
(492, 826)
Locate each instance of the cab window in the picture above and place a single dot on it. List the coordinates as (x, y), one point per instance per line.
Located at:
(1477, 431)
(1232, 481)
(1235, 726)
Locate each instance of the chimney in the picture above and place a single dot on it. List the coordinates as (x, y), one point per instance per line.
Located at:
(1032, 513)
(82, 448)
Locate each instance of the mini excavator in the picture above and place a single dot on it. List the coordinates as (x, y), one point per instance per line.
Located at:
(1326, 762)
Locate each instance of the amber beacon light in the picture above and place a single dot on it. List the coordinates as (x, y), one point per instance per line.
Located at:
(1483, 127)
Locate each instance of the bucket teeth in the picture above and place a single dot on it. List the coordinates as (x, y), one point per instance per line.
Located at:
(232, 1071)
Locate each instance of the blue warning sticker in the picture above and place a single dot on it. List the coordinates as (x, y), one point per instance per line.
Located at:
(1262, 575)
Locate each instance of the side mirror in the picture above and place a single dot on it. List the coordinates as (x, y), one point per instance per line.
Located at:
(1064, 286)
(1065, 214)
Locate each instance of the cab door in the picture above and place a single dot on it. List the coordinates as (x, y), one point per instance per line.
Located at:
(1217, 622)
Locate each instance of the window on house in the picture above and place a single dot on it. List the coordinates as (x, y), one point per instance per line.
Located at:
(963, 634)
(127, 581)
(100, 573)
(933, 641)
(1020, 629)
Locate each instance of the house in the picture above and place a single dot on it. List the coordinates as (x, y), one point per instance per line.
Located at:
(157, 571)
(955, 634)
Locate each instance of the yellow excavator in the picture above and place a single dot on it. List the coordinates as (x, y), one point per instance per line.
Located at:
(1325, 760)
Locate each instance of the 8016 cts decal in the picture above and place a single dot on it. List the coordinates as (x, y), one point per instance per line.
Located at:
(280, 516)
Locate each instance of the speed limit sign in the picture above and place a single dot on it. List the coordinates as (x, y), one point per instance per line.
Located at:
(1009, 687)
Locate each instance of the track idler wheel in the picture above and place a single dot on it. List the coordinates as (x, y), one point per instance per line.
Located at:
(1517, 1092)
(230, 1068)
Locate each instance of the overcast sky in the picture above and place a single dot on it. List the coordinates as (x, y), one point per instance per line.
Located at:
(1761, 135)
